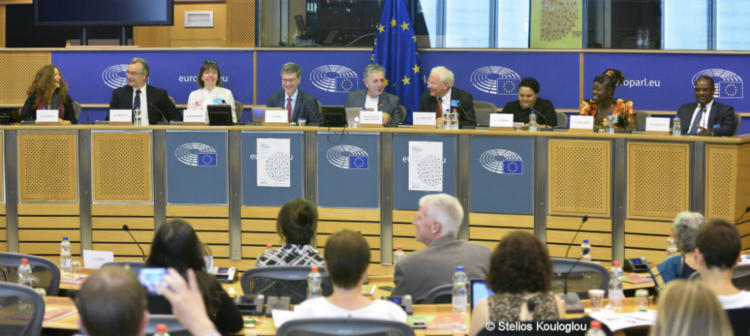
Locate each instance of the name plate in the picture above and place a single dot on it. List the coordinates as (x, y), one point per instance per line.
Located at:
(503, 120)
(423, 119)
(95, 259)
(121, 116)
(194, 116)
(370, 117)
(276, 117)
(582, 122)
(47, 116)
(660, 125)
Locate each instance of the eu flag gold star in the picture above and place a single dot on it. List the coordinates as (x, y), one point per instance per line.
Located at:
(415, 68)
(404, 26)
(372, 57)
(386, 82)
(393, 22)
(406, 80)
(381, 28)
(414, 37)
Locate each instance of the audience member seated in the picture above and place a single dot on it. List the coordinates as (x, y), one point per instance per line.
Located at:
(685, 229)
(717, 252)
(604, 104)
(48, 91)
(520, 277)
(211, 90)
(437, 223)
(528, 100)
(176, 245)
(347, 256)
(296, 224)
(112, 302)
(689, 308)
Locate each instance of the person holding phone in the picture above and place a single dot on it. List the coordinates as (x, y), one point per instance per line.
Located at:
(177, 246)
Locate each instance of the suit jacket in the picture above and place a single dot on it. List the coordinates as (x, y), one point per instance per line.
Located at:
(387, 102)
(305, 106)
(28, 112)
(720, 114)
(466, 116)
(435, 264)
(156, 98)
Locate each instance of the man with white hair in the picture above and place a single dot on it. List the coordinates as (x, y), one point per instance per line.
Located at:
(442, 97)
(437, 223)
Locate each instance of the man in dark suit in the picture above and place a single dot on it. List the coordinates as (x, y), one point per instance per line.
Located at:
(436, 223)
(442, 97)
(151, 100)
(375, 97)
(706, 116)
(298, 104)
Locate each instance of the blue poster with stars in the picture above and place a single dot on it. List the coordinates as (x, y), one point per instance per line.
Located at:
(396, 49)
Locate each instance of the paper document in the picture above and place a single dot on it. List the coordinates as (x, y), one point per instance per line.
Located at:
(273, 162)
(426, 166)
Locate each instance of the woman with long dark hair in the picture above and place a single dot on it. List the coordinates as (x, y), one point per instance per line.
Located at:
(48, 91)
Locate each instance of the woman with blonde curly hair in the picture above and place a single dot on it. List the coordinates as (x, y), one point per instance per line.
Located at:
(690, 308)
(48, 91)
(605, 107)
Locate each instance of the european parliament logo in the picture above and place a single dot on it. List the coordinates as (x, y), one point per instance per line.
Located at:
(115, 76)
(196, 154)
(496, 80)
(727, 83)
(334, 78)
(348, 157)
(501, 161)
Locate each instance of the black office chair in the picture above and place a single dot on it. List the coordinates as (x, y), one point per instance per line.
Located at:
(174, 327)
(737, 123)
(238, 110)
(562, 119)
(439, 294)
(640, 120)
(288, 281)
(22, 310)
(344, 326)
(583, 276)
(483, 110)
(133, 266)
(46, 273)
(740, 276)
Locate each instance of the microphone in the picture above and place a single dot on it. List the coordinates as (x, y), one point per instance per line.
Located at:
(127, 229)
(572, 300)
(164, 117)
(544, 118)
(737, 221)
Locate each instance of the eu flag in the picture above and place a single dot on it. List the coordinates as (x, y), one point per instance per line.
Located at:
(396, 49)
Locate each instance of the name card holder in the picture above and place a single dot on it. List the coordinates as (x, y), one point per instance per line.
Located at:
(119, 117)
(501, 121)
(656, 126)
(371, 119)
(194, 117)
(47, 117)
(424, 120)
(581, 124)
(276, 117)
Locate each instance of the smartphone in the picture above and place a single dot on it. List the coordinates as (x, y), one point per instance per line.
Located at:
(150, 277)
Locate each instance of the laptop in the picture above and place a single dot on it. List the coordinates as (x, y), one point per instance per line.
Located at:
(479, 290)
(333, 116)
(219, 115)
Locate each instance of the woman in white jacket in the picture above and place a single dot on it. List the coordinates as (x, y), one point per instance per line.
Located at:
(210, 90)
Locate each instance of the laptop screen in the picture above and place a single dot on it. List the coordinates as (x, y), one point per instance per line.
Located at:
(479, 290)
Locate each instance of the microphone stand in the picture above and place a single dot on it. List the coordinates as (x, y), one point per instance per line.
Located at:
(571, 300)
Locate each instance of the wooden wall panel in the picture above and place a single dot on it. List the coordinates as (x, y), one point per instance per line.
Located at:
(21, 67)
(121, 169)
(647, 238)
(579, 177)
(658, 179)
(48, 166)
(561, 230)
(722, 174)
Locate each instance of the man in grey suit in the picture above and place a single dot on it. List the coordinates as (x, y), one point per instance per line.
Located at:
(298, 104)
(374, 97)
(437, 223)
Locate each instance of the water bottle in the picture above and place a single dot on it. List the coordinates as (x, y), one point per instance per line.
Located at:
(65, 256)
(269, 247)
(398, 255)
(611, 125)
(460, 291)
(532, 122)
(25, 275)
(615, 293)
(676, 126)
(454, 119)
(356, 122)
(595, 329)
(137, 117)
(586, 251)
(313, 283)
(671, 245)
(161, 330)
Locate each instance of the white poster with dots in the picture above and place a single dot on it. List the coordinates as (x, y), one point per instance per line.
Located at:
(273, 159)
(426, 166)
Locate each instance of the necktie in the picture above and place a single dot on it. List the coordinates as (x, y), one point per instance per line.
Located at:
(694, 126)
(137, 103)
(439, 112)
(289, 108)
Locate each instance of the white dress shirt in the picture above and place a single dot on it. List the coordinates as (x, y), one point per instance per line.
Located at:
(704, 119)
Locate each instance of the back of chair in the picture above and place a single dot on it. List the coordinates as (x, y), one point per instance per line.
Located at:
(77, 109)
(134, 266)
(581, 275)
(740, 276)
(282, 281)
(640, 119)
(344, 326)
(439, 294)
(483, 110)
(403, 113)
(22, 310)
(238, 111)
(46, 273)
(737, 123)
(562, 119)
